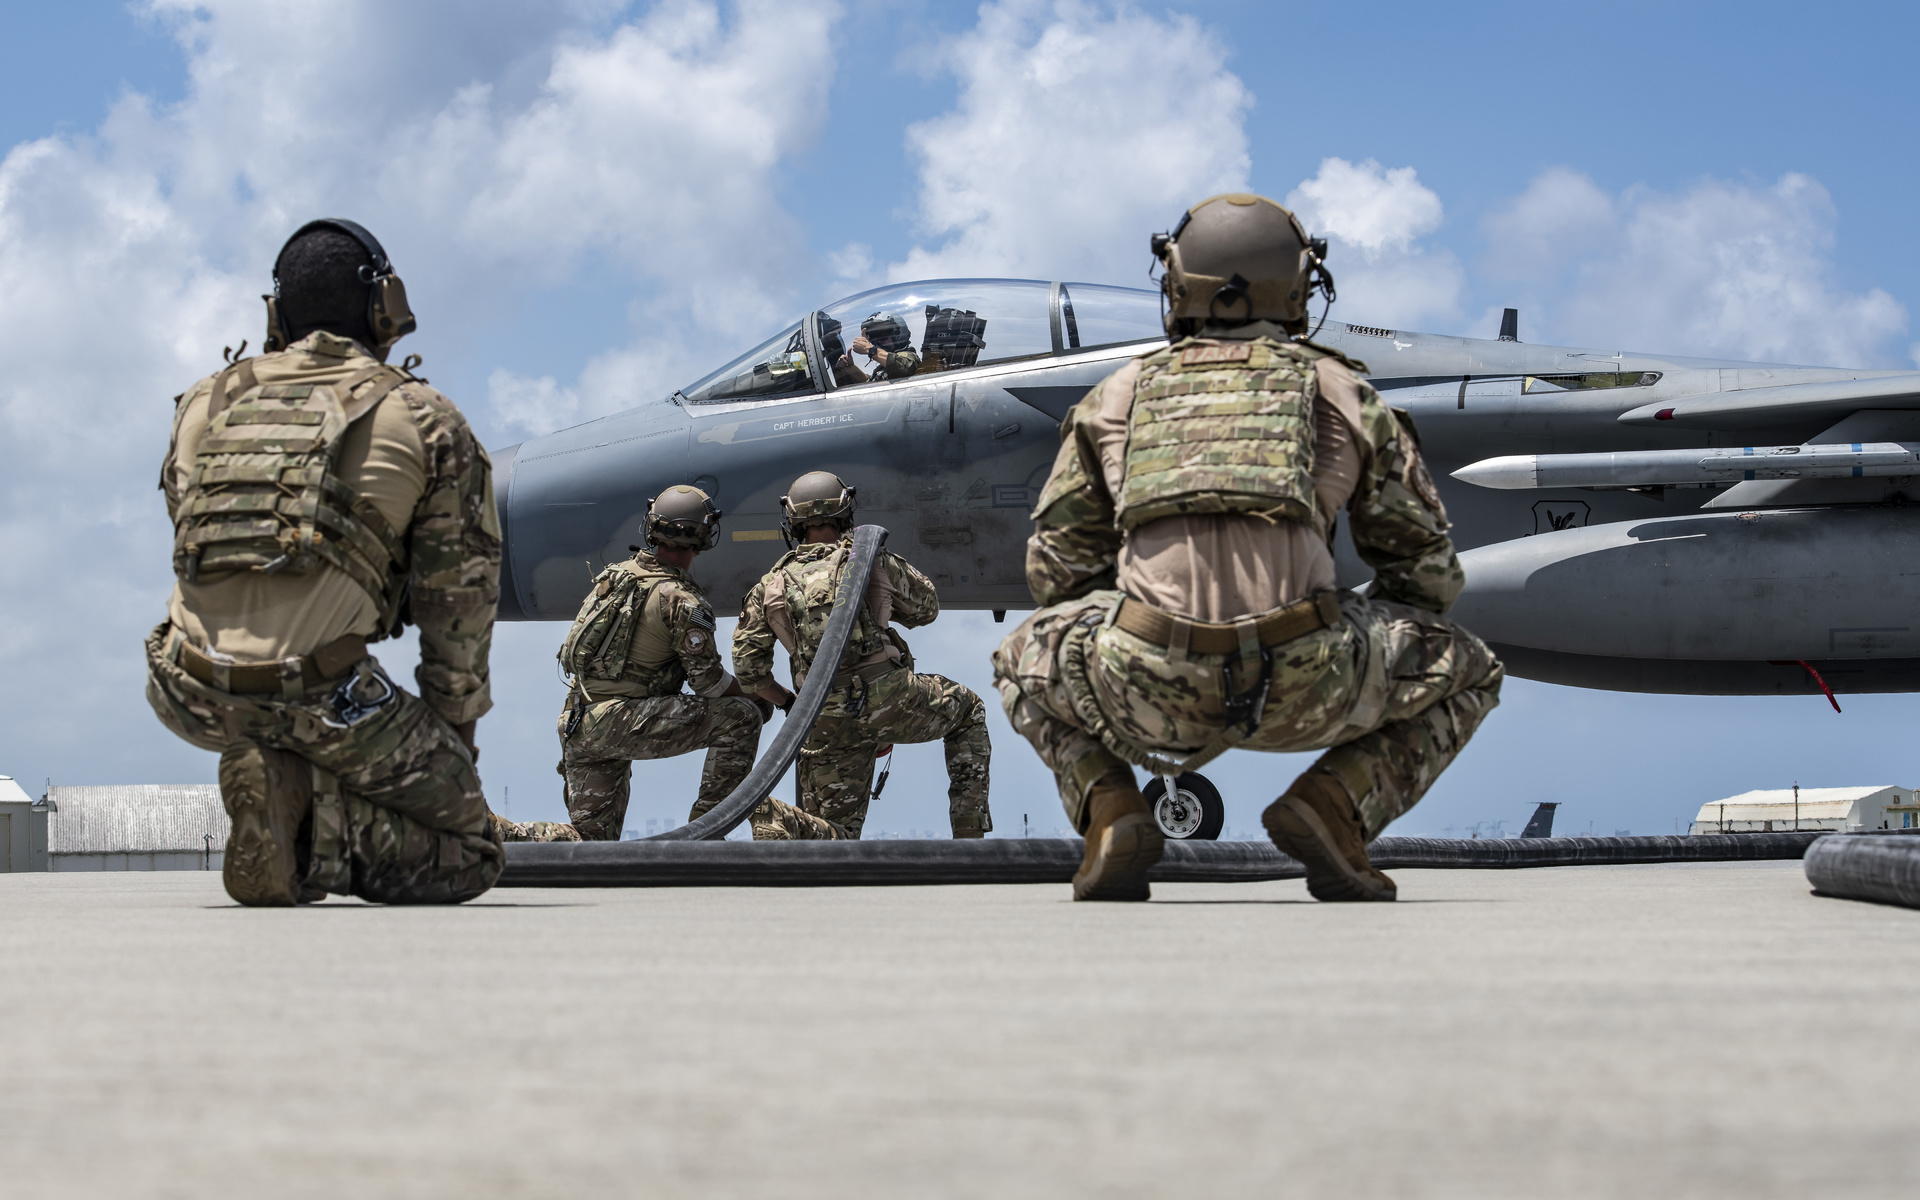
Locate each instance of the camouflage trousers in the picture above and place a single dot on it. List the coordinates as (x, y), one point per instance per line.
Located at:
(861, 716)
(1391, 692)
(597, 758)
(397, 812)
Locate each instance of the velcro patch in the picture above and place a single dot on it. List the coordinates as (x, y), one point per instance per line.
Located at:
(1232, 352)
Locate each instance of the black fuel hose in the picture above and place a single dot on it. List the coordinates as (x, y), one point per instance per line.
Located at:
(1884, 867)
(884, 862)
(849, 594)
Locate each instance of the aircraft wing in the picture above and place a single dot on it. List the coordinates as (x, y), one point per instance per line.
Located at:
(1757, 408)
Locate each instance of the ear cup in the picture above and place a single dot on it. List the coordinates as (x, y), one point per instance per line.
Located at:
(387, 312)
(276, 339)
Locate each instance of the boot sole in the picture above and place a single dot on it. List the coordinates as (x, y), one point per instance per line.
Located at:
(1128, 850)
(1300, 833)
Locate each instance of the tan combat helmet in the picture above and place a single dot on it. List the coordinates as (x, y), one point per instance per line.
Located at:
(683, 518)
(1239, 258)
(818, 497)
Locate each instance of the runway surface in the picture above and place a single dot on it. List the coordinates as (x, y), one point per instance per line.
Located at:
(1696, 1030)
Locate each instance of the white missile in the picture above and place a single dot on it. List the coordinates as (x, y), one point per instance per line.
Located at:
(1654, 468)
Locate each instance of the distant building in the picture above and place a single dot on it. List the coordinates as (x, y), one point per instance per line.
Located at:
(1848, 809)
(136, 827)
(23, 829)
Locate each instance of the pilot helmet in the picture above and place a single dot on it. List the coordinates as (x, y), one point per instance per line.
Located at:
(818, 497)
(887, 331)
(683, 518)
(1237, 258)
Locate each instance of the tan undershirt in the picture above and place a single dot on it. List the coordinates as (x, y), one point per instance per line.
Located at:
(254, 617)
(1218, 568)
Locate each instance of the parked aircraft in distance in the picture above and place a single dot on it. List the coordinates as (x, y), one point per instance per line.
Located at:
(1640, 522)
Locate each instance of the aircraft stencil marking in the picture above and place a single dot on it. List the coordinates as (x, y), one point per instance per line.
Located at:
(736, 432)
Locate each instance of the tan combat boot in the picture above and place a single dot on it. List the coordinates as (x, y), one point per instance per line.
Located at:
(1316, 822)
(767, 823)
(532, 831)
(268, 793)
(1123, 841)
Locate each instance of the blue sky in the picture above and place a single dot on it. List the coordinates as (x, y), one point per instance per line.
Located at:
(593, 202)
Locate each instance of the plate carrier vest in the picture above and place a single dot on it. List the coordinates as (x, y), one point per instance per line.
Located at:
(596, 646)
(264, 495)
(809, 586)
(1220, 427)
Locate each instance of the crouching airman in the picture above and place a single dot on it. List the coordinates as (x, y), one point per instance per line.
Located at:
(644, 631)
(1182, 551)
(877, 699)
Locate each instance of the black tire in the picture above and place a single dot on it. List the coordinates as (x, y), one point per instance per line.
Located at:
(1197, 814)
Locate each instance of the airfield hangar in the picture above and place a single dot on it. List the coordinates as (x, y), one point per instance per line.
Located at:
(1842, 809)
(129, 827)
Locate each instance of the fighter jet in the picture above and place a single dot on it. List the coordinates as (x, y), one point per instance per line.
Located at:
(1638, 522)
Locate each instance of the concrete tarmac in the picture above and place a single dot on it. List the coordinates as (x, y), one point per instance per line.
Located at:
(1709, 1030)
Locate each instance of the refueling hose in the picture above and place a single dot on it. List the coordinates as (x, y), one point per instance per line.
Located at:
(848, 595)
(1883, 867)
(656, 863)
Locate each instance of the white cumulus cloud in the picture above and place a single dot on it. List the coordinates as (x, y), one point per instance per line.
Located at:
(1078, 130)
(1373, 218)
(502, 152)
(1719, 269)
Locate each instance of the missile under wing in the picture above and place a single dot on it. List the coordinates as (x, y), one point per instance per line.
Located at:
(1629, 521)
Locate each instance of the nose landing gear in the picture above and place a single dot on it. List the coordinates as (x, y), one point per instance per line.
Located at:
(1190, 811)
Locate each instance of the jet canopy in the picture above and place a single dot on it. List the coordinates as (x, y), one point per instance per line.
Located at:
(951, 324)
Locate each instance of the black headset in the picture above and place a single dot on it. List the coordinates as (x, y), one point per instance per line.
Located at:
(387, 313)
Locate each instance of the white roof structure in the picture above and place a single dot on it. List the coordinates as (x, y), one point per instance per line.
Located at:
(13, 793)
(1819, 808)
(136, 818)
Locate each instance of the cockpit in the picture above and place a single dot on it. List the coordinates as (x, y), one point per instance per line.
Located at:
(912, 330)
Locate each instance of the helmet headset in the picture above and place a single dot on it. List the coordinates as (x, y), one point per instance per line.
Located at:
(1238, 258)
(388, 315)
(816, 498)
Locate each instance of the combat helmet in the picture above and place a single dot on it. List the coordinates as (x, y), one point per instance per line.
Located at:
(887, 331)
(816, 498)
(683, 518)
(1237, 258)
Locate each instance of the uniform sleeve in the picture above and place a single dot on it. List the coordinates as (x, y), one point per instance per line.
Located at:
(189, 427)
(1398, 523)
(915, 602)
(1075, 545)
(901, 364)
(690, 627)
(753, 642)
(454, 546)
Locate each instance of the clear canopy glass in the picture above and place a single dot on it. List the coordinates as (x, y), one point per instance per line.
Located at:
(773, 369)
(941, 325)
(952, 323)
(1096, 314)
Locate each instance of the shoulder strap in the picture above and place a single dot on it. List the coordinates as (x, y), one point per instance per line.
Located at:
(357, 406)
(1330, 352)
(240, 373)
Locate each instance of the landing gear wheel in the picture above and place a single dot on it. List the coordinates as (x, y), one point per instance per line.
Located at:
(1193, 812)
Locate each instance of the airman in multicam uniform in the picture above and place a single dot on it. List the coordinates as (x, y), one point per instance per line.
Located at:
(321, 498)
(877, 699)
(644, 631)
(1182, 556)
(888, 343)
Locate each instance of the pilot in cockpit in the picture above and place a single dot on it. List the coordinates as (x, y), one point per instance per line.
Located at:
(885, 339)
